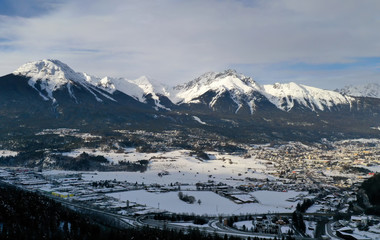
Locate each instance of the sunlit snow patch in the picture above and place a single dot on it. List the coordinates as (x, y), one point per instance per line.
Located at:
(199, 120)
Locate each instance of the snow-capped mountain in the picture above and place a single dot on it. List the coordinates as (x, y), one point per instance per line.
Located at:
(139, 88)
(365, 90)
(48, 76)
(211, 89)
(49, 94)
(239, 88)
(286, 95)
(228, 80)
(245, 91)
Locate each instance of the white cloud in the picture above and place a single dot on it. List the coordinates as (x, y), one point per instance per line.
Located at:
(175, 41)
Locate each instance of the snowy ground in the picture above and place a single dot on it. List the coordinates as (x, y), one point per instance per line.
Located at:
(190, 224)
(285, 229)
(372, 168)
(248, 225)
(181, 167)
(277, 199)
(310, 228)
(314, 208)
(211, 203)
(373, 233)
(7, 153)
(360, 140)
(336, 173)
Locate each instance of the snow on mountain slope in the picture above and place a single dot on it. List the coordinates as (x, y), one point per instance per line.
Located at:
(52, 73)
(239, 87)
(138, 88)
(150, 87)
(219, 82)
(47, 76)
(285, 95)
(117, 84)
(365, 90)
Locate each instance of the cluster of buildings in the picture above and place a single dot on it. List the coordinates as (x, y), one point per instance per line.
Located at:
(342, 165)
(73, 188)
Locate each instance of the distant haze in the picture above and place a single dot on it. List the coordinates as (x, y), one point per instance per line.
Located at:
(326, 44)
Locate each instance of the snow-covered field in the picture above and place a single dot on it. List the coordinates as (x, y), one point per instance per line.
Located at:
(277, 199)
(211, 203)
(285, 229)
(7, 153)
(372, 168)
(336, 173)
(248, 225)
(180, 166)
(314, 208)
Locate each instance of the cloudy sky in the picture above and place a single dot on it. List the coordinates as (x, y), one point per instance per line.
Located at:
(322, 43)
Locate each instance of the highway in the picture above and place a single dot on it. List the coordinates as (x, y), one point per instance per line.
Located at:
(330, 233)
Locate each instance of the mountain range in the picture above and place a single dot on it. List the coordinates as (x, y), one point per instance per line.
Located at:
(363, 90)
(48, 94)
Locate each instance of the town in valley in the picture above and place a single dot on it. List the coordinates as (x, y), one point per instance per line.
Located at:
(270, 190)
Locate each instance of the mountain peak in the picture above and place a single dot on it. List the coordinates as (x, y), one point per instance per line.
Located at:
(48, 75)
(234, 74)
(228, 80)
(51, 69)
(285, 95)
(364, 90)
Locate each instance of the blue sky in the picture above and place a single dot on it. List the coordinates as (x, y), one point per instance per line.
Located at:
(27, 8)
(322, 43)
